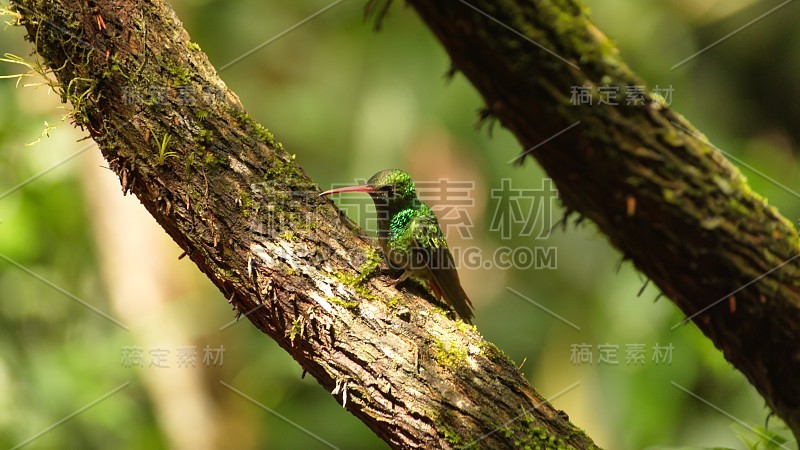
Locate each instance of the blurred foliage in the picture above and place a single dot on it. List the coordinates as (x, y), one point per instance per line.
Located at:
(348, 102)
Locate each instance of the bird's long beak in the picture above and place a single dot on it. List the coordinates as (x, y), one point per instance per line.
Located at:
(362, 188)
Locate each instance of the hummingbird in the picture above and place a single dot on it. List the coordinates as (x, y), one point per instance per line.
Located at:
(411, 239)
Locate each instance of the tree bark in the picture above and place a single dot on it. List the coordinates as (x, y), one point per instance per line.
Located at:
(230, 195)
(664, 196)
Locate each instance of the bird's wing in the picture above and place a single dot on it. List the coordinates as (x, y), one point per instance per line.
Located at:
(431, 255)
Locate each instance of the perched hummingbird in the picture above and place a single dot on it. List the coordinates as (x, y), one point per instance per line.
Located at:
(411, 238)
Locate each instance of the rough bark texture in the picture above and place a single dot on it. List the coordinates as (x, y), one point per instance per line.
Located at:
(232, 197)
(653, 184)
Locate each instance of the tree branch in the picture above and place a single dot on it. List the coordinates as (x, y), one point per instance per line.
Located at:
(664, 196)
(250, 219)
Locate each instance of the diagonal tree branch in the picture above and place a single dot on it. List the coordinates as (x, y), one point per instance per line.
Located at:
(250, 219)
(664, 196)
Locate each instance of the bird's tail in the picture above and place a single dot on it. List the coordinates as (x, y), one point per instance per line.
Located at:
(452, 293)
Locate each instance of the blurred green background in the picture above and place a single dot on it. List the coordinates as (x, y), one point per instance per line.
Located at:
(348, 102)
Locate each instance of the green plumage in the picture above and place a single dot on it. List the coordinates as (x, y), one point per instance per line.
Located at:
(411, 238)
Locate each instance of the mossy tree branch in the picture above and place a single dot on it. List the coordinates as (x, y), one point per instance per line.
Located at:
(651, 182)
(250, 219)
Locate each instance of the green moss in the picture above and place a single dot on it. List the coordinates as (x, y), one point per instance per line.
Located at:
(114, 69)
(180, 75)
(464, 327)
(493, 353)
(228, 275)
(527, 436)
(247, 203)
(505, 431)
(452, 437)
(536, 437)
(78, 92)
(443, 421)
(296, 330)
(358, 287)
(204, 137)
(539, 438)
(258, 131)
(286, 175)
(736, 206)
(265, 136)
(189, 161)
(450, 354)
(151, 101)
(394, 302)
(521, 430)
(371, 266)
(288, 235)
(367, 270)
(668, 195)
(193, 46)
(209, 159)
(351, 305)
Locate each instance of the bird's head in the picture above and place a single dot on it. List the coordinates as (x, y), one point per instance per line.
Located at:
(391, 189)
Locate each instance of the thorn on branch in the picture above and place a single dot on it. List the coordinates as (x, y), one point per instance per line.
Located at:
(578, 221)
(646, 283)
(451, 72)
(124, 181)
(486, 116)
(377, 10)
(101, 24)
(562, 221)
(341, 386)
(188, 252)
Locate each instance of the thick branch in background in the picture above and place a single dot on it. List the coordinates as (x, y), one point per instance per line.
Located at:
(251, 220)
(663, 195)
